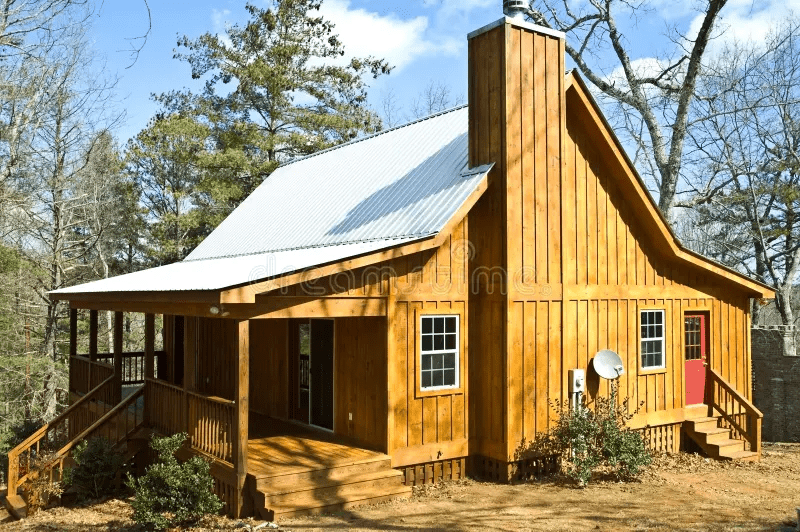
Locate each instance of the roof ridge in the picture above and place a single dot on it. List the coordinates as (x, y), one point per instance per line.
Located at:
(373, 135)
(315, 246)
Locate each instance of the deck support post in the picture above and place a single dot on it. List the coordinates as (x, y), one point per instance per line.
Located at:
(73, 344)
(149, 360)
(93, 335)
(240, 427)
(189, 376)
(117, 393)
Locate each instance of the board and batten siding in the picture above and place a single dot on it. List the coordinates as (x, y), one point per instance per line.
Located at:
(564, 259)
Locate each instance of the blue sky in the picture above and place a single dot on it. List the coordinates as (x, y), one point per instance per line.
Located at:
(424, 39)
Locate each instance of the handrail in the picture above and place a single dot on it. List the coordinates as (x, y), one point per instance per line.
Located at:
(58, 456)
(753, 416)
(13, 455)
(212, 398)
(123, 405)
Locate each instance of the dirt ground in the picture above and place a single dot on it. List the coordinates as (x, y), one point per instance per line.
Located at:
(680, 492)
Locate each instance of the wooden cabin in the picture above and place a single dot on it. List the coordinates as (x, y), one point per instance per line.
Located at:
(402, 308)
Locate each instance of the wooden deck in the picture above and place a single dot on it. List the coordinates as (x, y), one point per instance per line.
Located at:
(278, 447)
(297, 470)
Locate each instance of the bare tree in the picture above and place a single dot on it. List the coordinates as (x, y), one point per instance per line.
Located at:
(749, 147)
(654, 98)
(433, 98)
(391, 112)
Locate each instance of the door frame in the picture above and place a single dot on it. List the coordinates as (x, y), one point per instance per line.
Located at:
(707, 313)
(294, 373)
(311, 375)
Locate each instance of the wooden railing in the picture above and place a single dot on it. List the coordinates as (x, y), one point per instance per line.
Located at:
(132, 365)
(211, 425)
(165, 407)
(738, 414)
(86, 375)
(83, 414)
(207, 420)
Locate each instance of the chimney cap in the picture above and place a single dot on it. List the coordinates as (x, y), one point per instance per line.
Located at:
(515, 9)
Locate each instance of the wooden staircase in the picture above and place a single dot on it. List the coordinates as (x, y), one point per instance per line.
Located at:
(310, 490)
(727, 426)
(94, 414)
(716, 441)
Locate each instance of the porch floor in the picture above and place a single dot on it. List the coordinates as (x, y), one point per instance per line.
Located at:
(277, 447)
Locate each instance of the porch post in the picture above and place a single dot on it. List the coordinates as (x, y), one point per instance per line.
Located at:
(189, 354)
(73, 349)
(189, 381)
(73, 332)
(240, 427)
(117, 394)
(93, 335)
(149, 360)
(149, 346)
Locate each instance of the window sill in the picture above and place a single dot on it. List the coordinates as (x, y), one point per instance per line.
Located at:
(651, 371)
(439, 393)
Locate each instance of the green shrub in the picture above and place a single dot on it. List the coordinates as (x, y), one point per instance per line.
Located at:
(586, 439)
(170, 493)
(96, 467)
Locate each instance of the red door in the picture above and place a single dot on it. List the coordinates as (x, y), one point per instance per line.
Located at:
(695, 349)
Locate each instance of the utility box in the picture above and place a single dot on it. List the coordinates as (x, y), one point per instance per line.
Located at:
(577, 381)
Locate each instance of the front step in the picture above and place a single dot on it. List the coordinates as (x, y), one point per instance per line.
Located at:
(306, 475)
(17, 506)
(716, 441)
(328, 490)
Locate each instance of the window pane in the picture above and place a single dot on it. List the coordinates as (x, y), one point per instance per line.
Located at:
(437, 361)
(426, 379)
(451, 324)
(450, 341)
(449, 377)
(438, 325)
(426, 362)
(427, 343)
(450, 360)
(427, 325)
(305, 339)
(438, 342)
(438, 378)
(657, 317)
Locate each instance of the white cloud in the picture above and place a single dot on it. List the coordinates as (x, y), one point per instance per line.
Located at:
(219, 21)
(387, 35)
(745, 20)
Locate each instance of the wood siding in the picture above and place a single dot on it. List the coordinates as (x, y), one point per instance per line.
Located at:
(269, 367)
(360, 380)
(565, 257)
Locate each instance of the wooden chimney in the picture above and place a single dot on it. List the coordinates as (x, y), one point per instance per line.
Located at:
(516, 120)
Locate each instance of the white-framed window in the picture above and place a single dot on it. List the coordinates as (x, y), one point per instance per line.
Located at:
(439, 352)
(652, 324)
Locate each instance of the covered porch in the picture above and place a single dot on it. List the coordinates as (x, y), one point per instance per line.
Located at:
(236, 387)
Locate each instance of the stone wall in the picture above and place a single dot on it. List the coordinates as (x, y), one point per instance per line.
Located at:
(776, 385)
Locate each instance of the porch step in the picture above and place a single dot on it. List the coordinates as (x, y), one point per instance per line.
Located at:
(400, 492)
(744, 456)
(702, 423)
(16, 506)
(716, 441)
(306, 475)
(328, 490)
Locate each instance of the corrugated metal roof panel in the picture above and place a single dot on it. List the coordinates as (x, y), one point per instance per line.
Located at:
(399, 183)
(392, 188)
(216, 274)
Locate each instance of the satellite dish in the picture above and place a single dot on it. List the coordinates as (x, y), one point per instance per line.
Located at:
(608, 364)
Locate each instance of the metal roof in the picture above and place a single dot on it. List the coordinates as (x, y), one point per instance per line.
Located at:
(216, 274)
(403, 182)
(391, 188)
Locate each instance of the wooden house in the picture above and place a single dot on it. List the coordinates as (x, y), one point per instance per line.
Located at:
(402, 308)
